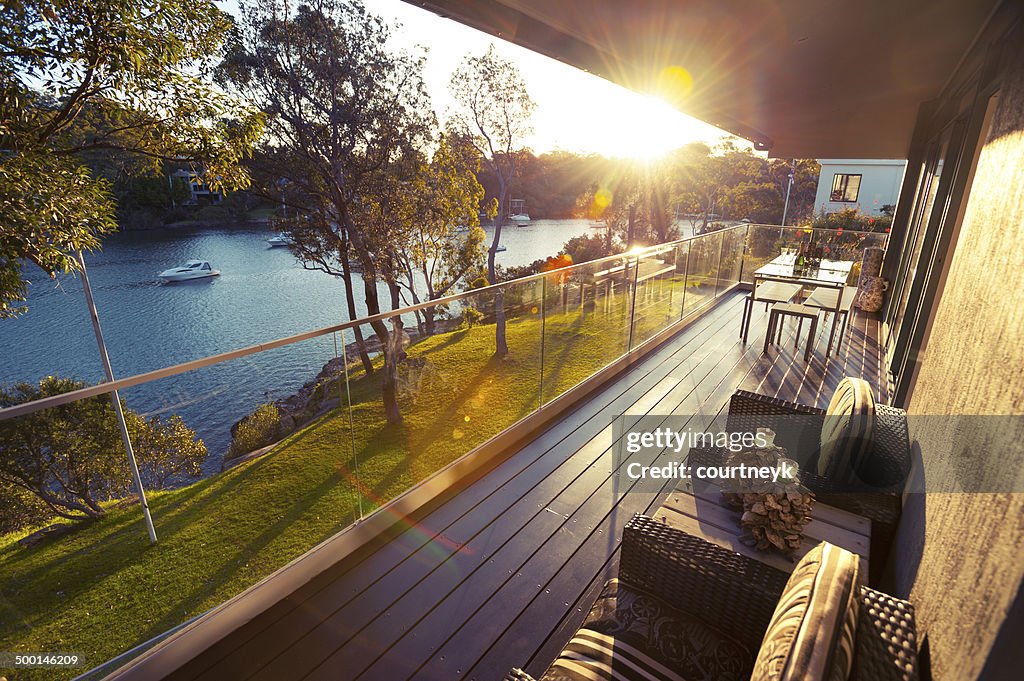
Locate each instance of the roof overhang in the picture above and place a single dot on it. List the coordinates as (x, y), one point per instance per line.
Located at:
(801, 78)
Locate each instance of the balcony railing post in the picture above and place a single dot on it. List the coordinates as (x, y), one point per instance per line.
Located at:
(743, 255)
(632, 307)
(718, 270)
(352, 428)
(109, 372)
(543, 334)
(686, 280)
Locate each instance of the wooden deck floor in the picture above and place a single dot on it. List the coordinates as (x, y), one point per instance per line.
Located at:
(502, 573)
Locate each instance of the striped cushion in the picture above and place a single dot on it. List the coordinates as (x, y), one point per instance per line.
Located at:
(592, 655)
(630, 634)
(847, 428)
(811, 634)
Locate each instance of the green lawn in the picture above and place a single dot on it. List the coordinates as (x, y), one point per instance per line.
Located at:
(102, 588)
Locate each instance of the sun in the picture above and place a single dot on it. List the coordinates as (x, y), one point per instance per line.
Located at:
(653, 127)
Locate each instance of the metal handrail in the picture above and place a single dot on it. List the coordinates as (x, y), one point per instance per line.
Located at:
(149, 376)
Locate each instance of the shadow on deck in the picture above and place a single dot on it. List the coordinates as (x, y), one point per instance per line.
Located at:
(500, 574)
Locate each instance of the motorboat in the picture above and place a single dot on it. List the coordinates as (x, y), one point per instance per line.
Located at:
(281, 240)
(193, 269)
(517, 211)
(501, 248)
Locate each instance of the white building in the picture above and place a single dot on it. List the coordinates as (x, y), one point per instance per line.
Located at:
(865, 184)
(199, 192)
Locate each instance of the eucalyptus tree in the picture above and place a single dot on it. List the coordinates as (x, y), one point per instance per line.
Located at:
(444, 240)
(494, 109)
(114, 78)
(345, 114)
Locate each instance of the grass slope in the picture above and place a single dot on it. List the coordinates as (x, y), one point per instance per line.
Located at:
(102, 589)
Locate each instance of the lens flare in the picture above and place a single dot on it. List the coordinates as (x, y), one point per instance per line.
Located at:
(675, 83)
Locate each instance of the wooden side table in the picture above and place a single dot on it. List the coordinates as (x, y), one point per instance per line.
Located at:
(705, 514)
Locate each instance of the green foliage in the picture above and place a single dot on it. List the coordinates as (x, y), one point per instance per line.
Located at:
(50, 208)
(852, 219)
(72, 457)
(470, 317)
(19, 508)
(587, 247)
(256, 430)
(116, 87)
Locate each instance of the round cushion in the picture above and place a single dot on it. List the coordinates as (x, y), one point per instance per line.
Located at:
(847, 428)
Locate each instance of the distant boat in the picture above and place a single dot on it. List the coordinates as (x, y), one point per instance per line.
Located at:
(193, 269)
(500, 248)
(281, 240)
(517, 211)
(598, 225)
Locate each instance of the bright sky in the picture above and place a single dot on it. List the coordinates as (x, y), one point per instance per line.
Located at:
(576, 111)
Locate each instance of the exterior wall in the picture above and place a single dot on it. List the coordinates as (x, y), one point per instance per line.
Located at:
(879, 184)
(960, 557)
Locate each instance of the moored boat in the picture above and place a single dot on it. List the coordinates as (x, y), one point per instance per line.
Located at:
(193, 269)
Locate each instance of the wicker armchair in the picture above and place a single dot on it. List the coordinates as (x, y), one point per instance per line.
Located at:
(874, 490)
(737, 595)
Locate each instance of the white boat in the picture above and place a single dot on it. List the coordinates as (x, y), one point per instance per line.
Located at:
(193, 269)
(500, 248)
(517, 211)
(281, 240)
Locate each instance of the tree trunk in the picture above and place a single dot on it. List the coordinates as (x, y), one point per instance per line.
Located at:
(500, 341)
(389, 386)
(350, 302)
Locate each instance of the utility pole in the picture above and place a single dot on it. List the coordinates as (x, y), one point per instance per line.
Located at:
(105, 359)
(785, 208)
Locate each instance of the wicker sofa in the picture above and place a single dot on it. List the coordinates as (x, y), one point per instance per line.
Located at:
(685, 609)
(871, 487)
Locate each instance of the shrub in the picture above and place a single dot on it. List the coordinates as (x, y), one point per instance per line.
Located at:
(587, 247)
(256, 430)
(19, 508)
(852, 219)
(72, 456)
(471, 317)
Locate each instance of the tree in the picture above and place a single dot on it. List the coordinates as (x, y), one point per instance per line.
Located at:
(495, 111)
(633, 202)
(346, 117)
(72, 458)
(443, 238)
(118, 77)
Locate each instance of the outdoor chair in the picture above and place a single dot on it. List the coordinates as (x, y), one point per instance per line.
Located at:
(824, 298)
(852, 456)
(777, 319)
(769, 293)
(683, 609)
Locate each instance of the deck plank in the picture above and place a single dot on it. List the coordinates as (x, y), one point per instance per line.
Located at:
(501, 573)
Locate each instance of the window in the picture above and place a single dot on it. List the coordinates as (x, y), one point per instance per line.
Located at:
(845, 187)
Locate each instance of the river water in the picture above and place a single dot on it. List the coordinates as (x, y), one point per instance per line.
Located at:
(262, 294)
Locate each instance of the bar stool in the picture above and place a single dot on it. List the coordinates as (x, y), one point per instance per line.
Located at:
(778, 318)
(824, 298)
(769, 292)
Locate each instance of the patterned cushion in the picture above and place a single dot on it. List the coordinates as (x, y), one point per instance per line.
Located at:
(630, 634)
(811, 634)
(847, 428)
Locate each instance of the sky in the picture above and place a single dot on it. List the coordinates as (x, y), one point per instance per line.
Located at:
(576, 111)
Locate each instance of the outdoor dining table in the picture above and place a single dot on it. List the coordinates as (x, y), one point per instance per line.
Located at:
(829, 274)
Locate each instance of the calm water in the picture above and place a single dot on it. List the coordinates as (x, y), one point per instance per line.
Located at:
(262, 294)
